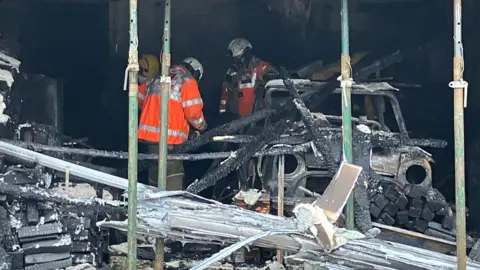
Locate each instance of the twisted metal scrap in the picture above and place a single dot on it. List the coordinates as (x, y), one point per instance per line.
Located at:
(184, 217)
(187, 218)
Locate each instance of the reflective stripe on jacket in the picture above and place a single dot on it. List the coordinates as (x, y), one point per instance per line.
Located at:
(242, 99)
(223, 99)
(142, 92)
(185, 107)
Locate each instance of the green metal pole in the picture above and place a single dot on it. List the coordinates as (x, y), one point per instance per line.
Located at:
(458, 121)
(165, 96)
(132, 137)
(346, 105)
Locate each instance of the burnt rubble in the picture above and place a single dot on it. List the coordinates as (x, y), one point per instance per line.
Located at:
(41, 231)
(24, 201)
(42, 227)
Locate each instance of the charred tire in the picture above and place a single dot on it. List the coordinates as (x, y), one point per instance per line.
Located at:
(403, 172)
(295, 170)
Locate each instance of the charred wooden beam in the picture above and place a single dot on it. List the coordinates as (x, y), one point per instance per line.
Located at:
(322, 146)
(152, 157)
(239, 157)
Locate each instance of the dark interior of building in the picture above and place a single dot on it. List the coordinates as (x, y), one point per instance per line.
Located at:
(85, 45)
(69, 40)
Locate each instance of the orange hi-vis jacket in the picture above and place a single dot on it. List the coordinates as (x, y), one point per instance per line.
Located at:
(142, 92)
(185, 108)
(241, 99)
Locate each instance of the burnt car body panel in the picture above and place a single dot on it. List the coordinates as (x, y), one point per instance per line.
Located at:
(390, 163)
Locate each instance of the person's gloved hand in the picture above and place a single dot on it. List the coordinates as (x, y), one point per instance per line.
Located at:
(204, 127)
(194, 134)
(270, 75)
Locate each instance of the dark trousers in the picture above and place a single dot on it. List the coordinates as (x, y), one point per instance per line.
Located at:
(175, 172)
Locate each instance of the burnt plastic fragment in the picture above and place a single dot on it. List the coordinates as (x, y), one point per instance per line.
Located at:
(50, 215)
(413, 191)
(415, 212)
(391, 209)
(375, 211)
(402, 217)
(51, 265)
(427, 213)
(442, 212)
(64, 244)
(38, 238)
(439, 234)
(409, 225)
(391, 193)
(10, 242)
(380, 201)
(401, 201)
(146, 253)
(474, 254)
(40, 230)
(435, 200)
(33, 216)
(81, 247)
(381, 221)
(438, 227)
(19, 179)
(5, 258)
(448, 220)
(387, 218)
(45, 257)
(17, 258)
(83, 235)
(420, 225)
(78, 258)
(74, 223)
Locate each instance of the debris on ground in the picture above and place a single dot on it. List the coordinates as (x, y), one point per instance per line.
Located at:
(59, 210)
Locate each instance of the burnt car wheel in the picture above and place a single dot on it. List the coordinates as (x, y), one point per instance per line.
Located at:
(415, 171)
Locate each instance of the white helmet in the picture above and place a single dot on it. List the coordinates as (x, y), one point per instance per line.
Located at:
(195, 65)
(237, 46)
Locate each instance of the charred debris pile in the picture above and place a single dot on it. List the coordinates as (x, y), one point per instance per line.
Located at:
(46, 224)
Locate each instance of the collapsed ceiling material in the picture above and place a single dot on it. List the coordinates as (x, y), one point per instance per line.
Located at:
(8, 65)
(174, 214)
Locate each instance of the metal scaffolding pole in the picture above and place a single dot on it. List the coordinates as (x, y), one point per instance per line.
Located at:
(165, 96)
(132, 137)
(346, 84)
(459, 103)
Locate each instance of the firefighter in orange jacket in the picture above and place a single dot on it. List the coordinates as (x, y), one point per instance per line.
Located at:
(185, 110)
(149, 67)
(243, 90)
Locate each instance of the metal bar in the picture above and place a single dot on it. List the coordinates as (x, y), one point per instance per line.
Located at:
(62, 166)
(132, 137)
(281, 191)
(411, 233)
(165, 96)
(458, 119)
(346, 106)
(300, 147)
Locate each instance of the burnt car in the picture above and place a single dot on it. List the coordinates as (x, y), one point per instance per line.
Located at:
(375, 111)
